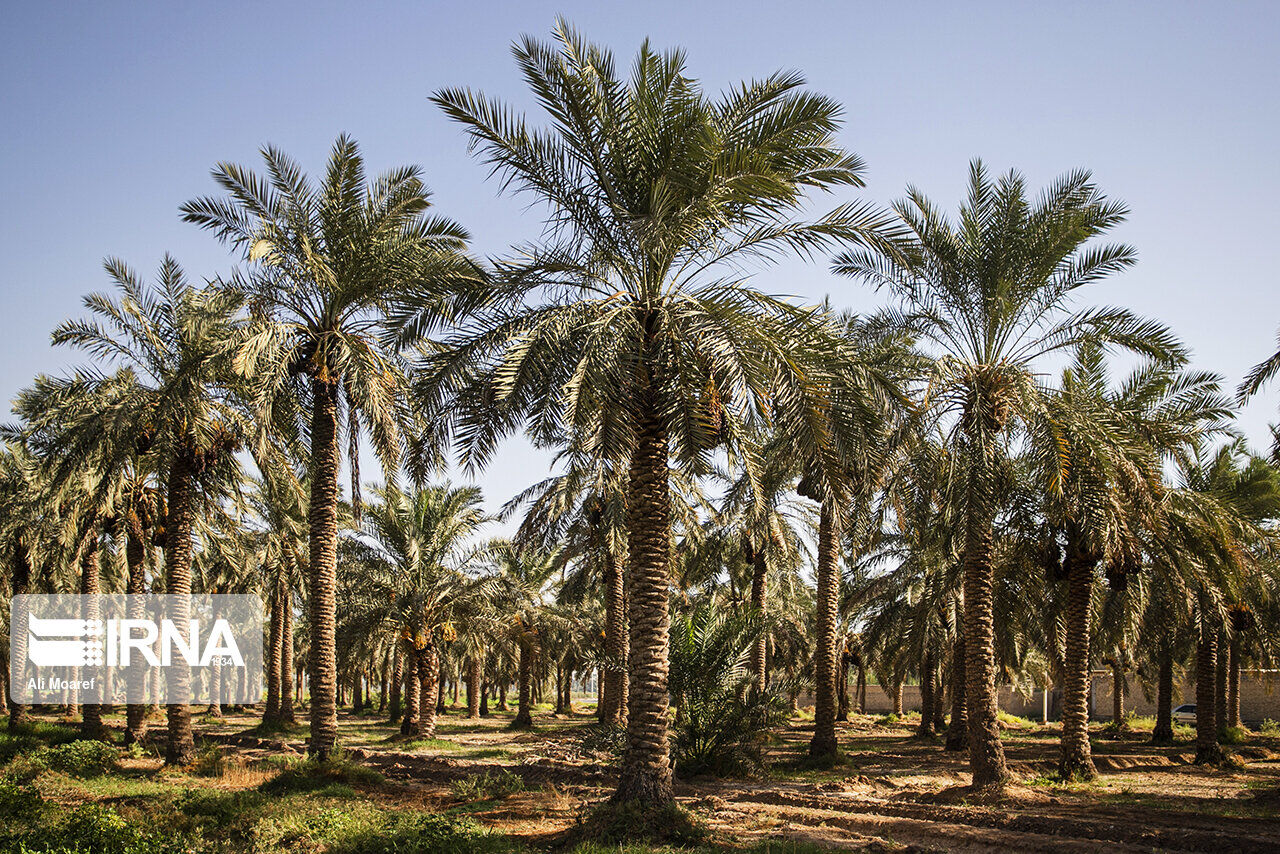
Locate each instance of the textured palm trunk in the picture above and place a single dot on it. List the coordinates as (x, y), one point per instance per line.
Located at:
(615, 641)
(286, 653)
(397, 680)
(823, 745)
(357, 692)
(412, 695)
(986, 752)
(842, 687)
(275, 652)
(759, 578)
(524, 711)
(645, 777)
(939, 706)
(1117, 694)
(428, 690)
(135, 552)
(1163, 731)
(1220, 685)
(1233, 682)
(91, 586)
(384, 673)
(1077, 754)
(957, 728)
(323, 518)
(897, 696)
(180, 747)
(1207, 749)
(20, 584)
(928, 669)
(862, 689)
(502, 695)
(475, 677)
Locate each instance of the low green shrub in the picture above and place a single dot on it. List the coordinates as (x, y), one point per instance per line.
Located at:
(487, 786)
(95, 829)
(1270, 728)
(19, 803)
(1233, 735)
(81, 758)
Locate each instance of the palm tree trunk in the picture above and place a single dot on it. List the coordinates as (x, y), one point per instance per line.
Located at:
(615, 640)
(90, 586)
(357, 695)
(1163, 731)
(135, 552)
(428, 690)
(181, 746)
(1220, 685)
(823, 745)
(897, 696)
(759, 578)
(272, 713)
(928, 669)
(986, 752)
(524, 715)
(1117, 694)
(862, 688)
(1207, 750)
(1233, 681)
(957, 728)
(20, 584)
(502, 695)
(842, 687)
(397, 679)
(1077, 752)
(323, 513)
(384, 675)
(474, 678)
(286, 650)
(645, 777)
(409, 724)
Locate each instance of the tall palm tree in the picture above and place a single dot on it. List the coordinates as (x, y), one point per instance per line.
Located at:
(629, 329)
(991, 295)
(326, 264)
(170, 399)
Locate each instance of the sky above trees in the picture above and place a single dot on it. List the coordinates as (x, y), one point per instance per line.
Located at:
(114, 114)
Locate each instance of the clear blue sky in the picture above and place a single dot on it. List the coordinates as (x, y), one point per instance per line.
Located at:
(112, 114)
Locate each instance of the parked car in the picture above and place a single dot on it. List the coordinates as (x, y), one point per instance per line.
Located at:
(1185, 714)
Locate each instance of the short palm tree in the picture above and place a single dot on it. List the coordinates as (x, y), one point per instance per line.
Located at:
(629, 330)
(326, 265)
(411, 581)
(990, 294)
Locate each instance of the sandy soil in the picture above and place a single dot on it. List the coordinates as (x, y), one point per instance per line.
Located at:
(893, 792)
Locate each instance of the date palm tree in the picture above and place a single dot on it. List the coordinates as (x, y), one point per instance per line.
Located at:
(1099, 454)
(410, 582)
(991, 295)
(325, 265)
(170, 399)
(630, 329)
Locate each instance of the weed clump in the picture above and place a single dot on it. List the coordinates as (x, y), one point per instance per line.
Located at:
(487, 786)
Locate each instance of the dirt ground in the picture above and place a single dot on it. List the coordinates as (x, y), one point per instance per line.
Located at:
(892, 791)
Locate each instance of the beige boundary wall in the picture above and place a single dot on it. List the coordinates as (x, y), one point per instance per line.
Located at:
(1259, 698)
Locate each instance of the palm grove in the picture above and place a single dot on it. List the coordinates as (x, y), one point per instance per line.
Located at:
(989, 481)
